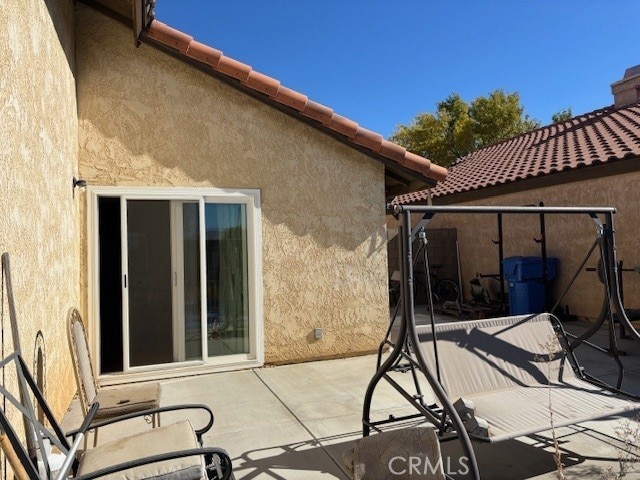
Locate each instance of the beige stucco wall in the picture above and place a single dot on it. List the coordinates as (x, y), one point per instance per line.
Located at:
(147, 119)
(38, 149)
(568, 237)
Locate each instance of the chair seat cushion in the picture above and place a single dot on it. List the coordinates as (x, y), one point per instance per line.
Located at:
(171, 438)
(116, 401)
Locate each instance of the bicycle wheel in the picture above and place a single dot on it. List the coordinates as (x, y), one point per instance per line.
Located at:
(448, 291)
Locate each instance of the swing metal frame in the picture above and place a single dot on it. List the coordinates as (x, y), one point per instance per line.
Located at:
(404, 342)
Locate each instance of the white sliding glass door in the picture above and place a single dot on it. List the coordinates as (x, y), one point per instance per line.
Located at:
(227, 279)
(175, 278)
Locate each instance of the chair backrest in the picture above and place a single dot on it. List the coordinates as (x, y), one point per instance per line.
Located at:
(81, 359)
(487, 355)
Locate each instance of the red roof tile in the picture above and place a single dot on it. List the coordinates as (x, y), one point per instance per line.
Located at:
(171, 37)
(204, 54)
(271, 88)
(233, 68)
(598, 137)
(368, 139)
(343, 125)
(291, 98)
(262, 83)
(317, 112)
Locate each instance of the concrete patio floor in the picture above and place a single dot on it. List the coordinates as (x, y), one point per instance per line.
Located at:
(296, 421)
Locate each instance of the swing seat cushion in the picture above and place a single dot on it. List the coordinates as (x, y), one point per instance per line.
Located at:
(516, 372)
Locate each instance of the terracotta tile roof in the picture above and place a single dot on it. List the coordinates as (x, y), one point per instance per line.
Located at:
(323, 116)
(598, 137)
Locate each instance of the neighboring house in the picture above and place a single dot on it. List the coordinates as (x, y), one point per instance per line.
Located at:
(589, 160)
(227, 220)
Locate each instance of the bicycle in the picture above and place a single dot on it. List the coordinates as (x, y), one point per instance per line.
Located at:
(445, 291)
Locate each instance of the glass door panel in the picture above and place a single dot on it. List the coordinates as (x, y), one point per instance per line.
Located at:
(150, 306)
(227, 279)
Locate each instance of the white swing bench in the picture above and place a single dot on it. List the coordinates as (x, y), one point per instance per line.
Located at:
(515, 371)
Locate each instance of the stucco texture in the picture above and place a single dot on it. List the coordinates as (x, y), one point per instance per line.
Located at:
(146, 119)
(38, 148)
(569, 237)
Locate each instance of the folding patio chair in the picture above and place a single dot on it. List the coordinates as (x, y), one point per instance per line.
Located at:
(165, 453)
(113, 401)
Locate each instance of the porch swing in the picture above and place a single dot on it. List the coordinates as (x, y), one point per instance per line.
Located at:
(501, 378)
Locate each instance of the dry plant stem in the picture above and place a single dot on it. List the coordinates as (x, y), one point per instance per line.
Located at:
(629, 433)
(557, 455)
(549, 348)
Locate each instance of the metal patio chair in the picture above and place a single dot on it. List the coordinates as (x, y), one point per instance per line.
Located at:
(114, 401)
(165, 453)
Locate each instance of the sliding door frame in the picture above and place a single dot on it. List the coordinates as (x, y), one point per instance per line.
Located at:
(251, 198)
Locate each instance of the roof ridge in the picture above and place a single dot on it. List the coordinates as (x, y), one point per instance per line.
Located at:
(185, 45)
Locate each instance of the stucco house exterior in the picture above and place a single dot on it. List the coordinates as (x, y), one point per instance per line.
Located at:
(227, 221)
(592, 159)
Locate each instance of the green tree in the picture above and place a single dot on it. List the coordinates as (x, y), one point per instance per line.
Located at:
(562, 115)
(457, 128)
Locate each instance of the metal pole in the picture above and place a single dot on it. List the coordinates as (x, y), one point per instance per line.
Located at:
(611, 268)
(410, 328)
(397, 349)
(432, 318)
(506, 210)
(575, 276)
(543, 252)
(503, 302)
(30, 433)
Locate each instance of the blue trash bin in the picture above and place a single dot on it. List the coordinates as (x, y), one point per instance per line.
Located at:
(524, 279)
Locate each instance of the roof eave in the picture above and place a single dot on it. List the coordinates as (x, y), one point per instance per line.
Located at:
(404, 171)
(601, 170)
(390, 164)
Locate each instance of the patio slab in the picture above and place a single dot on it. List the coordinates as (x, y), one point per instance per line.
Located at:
(296, 421)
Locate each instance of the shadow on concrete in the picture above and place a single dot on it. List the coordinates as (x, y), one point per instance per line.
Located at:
(509, 460)
(309, 459)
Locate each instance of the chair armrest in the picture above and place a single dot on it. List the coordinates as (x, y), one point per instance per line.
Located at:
(152, 411)
(89, 418)
(86, 423)
(138, 462)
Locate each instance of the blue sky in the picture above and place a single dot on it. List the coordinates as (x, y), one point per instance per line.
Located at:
(381, 62)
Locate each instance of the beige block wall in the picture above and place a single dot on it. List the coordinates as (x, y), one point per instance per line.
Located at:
(147, 119)
(569, 237)
(38, 149)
